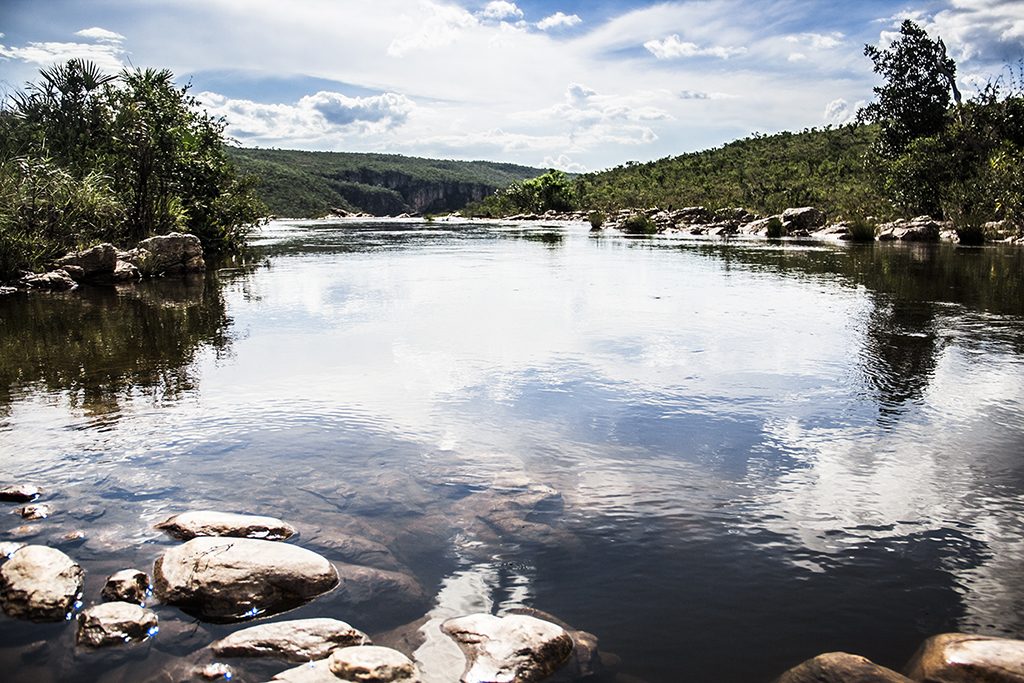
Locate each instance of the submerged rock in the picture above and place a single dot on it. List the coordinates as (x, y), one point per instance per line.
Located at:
(19, 493)
(964, 658)
(840, 667)
(372, 664)
(368, 584)
(115, 623)
(40, 583)
(299, 640)
(127, 585)
(240, 578)
(36, 511)
(516, 647)
(188, 525)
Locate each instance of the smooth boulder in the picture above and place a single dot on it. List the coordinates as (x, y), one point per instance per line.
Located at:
(40, 583)
(372, 664)
(805, 218)
(19, 493)
(172, 254)
(189, 525)
(98, 260)
(963, 658)
(127, 585)
(840, 667)
(226, 579)
(311, 672)
(115, 623)
(298, 640)
(516, 647)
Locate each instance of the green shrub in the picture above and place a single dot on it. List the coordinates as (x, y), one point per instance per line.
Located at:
(775, 229)
(862, 230)
(639, 224)
(596, 220)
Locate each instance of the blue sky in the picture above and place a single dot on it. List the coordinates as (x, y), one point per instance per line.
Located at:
(575, 84)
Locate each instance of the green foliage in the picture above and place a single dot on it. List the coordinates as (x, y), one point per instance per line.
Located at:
(311, 184)
(775, 228)
(596, 219)
(915, 97)
(862, 230)
(551, 191)
(87, 156)
(638, 224)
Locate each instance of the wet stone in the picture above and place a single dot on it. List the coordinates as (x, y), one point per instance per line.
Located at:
(313, 672)
(188, 525)
(35, 511)
(239, 578)
(372, 664)
(115, 623)
(298, 640)
(8, 548)
(40, 583)
(72, 538)
(964, 658)
(127, 585)
(216, 672)
(19, 493)
(840, 667)
(516, 647)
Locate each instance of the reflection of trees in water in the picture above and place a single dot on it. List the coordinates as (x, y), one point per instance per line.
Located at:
(98, 346)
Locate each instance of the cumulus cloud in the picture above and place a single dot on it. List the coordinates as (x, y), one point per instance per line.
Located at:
(321, 114)
(559, 20)
(989, 31)
(674, 47)
(435, 26)
(563, 163)
(100, 34)
(499, 10)
(839, 112)
(107, 56)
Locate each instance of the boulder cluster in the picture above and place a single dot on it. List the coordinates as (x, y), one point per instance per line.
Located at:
(169, 255)
(232, 568)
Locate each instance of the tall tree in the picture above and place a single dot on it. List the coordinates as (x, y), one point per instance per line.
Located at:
(914, 100)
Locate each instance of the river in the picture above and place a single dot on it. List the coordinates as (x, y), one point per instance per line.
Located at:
(761, 450)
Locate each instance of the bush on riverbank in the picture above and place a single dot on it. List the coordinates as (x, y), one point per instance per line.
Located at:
(87, 156)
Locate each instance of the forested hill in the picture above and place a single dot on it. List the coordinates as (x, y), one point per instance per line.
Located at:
(310, 184)
(829, 168)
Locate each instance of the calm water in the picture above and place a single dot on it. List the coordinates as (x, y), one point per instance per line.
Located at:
(764, 451)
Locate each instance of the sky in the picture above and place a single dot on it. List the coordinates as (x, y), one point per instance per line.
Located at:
(571, 84)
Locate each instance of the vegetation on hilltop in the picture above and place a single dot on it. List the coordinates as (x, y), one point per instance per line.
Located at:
(309, 184)
(87, 156)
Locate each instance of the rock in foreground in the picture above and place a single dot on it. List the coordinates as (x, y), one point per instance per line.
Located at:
(127, 585)
(189, 525)
(515, 648)
(371, 664)
(225, 579)
(963, 658)
(115, 623)
(19, 493)
(299, 640)
(840, 667)
(40, 583)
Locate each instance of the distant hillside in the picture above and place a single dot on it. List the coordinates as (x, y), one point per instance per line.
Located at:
(829, 168)
(309, 184)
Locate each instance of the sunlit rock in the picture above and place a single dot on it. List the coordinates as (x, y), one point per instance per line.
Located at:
(230, 579)
(125, 272)
(299, 640)
(964, 658)
(188, 525)
(19, 493)
(311, 672)
(216, 671)
(586, 658)
(840, 667)
(172, 254)
(127, 585)
(115, 623)
(40, 583)
(805, 218)
(920, 229)
(36, 511)
(8, 548)
(371, 664)
(94, 261)
(516, 647)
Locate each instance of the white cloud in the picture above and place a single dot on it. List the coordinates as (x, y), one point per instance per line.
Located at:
(321, 114)
(839, 112)
(797, 57)
(559, 20)
(500, 9)
(818, 41)
(563, 163)
(107, 56)
(434, 26)
(674, 47)
(100, 34)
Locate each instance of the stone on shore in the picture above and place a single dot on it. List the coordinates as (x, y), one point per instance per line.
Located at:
(805, 218)
(372, 664)
(115, 623)
(19, 493)
(840, 667)
(229, 579)
(172, 254)
(94, 261)
(54, 281)
(127, 585)
(189, 525)
(964, 658)
(920, 229)
(298, 640)
(516, 647)
(40, 583)
(125, 272)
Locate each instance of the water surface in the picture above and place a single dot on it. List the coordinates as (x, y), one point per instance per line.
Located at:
(764, 451)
